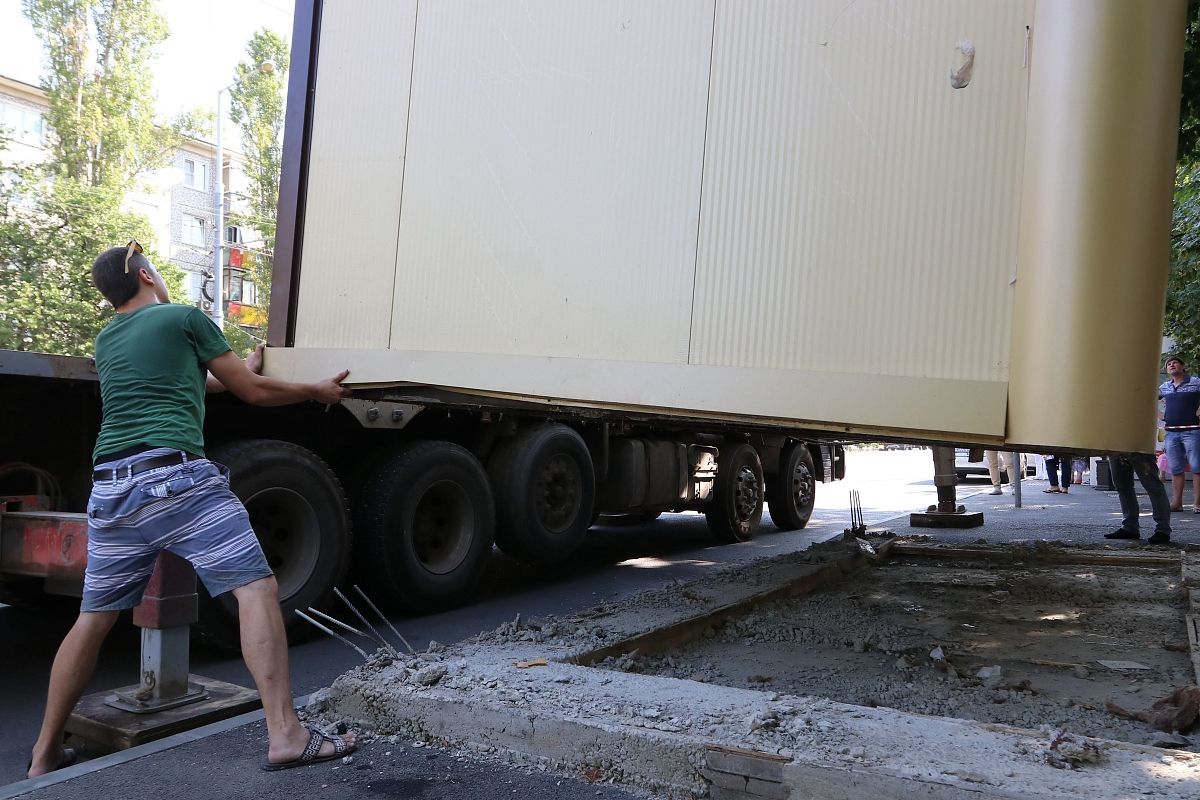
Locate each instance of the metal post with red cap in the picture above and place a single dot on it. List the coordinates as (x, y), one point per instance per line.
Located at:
(168, 609)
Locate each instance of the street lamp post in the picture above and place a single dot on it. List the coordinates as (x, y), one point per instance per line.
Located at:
(218, 313)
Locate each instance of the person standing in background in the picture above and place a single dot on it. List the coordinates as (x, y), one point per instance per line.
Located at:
(1122, 467)
(1181, 415)
(992, 458)
(1057, 465)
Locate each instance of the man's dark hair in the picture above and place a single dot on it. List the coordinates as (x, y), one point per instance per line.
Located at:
(110, 277)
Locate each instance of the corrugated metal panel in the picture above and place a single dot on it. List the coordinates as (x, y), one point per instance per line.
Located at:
(859, 214)
(356, 171)
(553, 176)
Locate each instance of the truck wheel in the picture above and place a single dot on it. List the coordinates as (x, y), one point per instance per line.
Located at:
(792, 492)
(298, 511)
(737, 502)
(425, 526)
(545, 488)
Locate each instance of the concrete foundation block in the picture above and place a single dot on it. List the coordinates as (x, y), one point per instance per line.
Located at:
(770, 790)
(809, 782)
(719, 793)
(751, 764)
(725, 780)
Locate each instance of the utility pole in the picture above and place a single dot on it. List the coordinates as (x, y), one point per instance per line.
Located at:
(218, 310)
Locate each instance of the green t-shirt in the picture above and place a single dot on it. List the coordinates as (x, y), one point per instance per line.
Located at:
(152, 370)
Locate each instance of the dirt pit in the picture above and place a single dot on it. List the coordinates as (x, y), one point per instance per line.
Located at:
(873, 641)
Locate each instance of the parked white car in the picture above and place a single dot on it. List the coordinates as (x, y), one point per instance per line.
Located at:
(964, 467)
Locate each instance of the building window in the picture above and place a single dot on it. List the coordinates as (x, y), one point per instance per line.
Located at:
(239, 288)
(193, 231)
(195, 174)
(195, 282)
(233, 235)
(24, 125)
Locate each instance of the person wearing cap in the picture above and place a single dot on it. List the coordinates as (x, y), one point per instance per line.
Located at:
(1181, 415)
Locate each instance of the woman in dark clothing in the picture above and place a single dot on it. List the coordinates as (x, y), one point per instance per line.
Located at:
(1056, 463)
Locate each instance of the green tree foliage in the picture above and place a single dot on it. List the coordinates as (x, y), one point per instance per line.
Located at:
(1182, 320)
(1189, 106)
(49, 236)
(57, 216)
(98, 82)
(257, 107)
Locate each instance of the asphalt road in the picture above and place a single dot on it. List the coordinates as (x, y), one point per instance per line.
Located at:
(614, 563)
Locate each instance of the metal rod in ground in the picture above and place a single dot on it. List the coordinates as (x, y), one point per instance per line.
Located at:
(386, 621)
(339, 623)
(334, 634)
(374, 633)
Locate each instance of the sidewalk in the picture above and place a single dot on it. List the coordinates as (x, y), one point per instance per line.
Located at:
(222, 761)
(1083, 517)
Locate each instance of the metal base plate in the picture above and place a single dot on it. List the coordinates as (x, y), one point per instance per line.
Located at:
(125, 700)
(941, 519)
(96, 721)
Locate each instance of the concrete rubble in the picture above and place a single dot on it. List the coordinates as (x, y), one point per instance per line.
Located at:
(678, 735)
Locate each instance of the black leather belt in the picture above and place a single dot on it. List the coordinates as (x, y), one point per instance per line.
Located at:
(138, 467)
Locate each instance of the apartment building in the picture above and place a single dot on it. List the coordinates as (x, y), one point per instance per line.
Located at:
(179, 199)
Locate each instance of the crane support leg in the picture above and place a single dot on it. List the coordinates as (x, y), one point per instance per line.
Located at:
(946, 513)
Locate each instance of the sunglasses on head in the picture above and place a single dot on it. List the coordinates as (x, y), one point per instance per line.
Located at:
(134, 247)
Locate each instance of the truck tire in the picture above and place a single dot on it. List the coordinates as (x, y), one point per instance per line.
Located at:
(791, 493)
(298, 511)
(545, 487)
(425, 526)
(737, 503)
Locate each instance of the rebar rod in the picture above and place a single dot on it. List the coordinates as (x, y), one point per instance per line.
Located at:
(334, 634)
(339, 623)
(375, 634)
(386, 621)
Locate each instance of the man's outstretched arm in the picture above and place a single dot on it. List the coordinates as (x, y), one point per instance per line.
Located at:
(254, 363)
(238, 377)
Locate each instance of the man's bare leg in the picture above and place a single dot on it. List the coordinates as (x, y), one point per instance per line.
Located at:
(1195, 490)
(73, 667)
(264, 647)
(1177, 492)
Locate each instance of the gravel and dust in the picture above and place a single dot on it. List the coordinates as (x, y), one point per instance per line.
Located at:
(1017, 645)
(827, 680)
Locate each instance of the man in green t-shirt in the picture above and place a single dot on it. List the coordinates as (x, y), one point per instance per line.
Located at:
(154, 490)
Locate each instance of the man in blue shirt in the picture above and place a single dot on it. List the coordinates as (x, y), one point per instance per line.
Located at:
(1181, 415)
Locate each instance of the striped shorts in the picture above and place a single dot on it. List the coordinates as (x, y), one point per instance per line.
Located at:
(188, 510)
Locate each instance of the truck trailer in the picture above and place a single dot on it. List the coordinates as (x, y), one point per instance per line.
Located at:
(603, 258)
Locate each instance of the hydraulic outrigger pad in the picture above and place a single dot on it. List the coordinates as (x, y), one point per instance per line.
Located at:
(947, 513)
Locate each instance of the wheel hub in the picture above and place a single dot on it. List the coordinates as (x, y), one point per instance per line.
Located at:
(290, 534)
(558, 494)
(803, 486)
(442, 527)
(746, 495)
